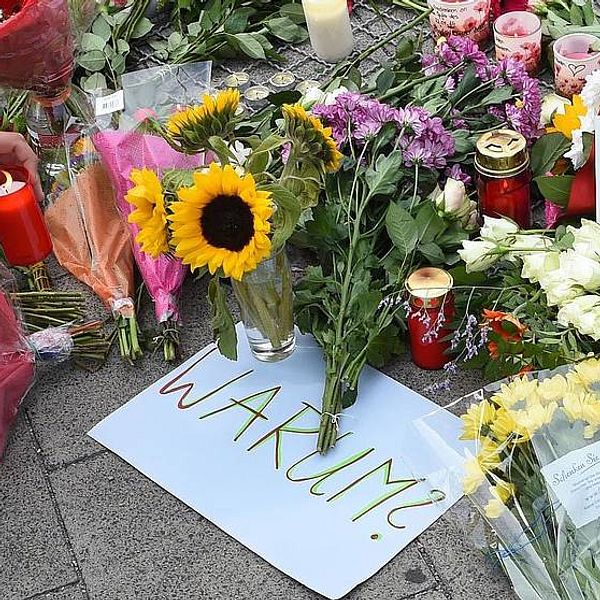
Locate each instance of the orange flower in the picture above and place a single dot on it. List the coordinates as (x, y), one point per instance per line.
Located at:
(495, 320)
(571, 119)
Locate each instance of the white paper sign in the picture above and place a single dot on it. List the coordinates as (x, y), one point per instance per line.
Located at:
(575, 480)
(107, 105)
(236, 442)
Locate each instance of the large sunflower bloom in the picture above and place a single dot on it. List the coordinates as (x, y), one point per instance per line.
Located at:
(150, 213)
(222, 221)
(192, 127)
(308, 129)
(570, 120)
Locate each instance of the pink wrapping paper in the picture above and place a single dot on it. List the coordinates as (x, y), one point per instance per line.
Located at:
(122, 152)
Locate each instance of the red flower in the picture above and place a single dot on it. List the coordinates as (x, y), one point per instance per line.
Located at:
(506, 326)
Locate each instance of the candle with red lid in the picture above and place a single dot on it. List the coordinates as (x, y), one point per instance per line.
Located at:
(23, 233)
(518, 35)
(503, 177)
(431, 309)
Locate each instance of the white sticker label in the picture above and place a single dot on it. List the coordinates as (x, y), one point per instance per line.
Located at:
(575, 480)
(110, 104)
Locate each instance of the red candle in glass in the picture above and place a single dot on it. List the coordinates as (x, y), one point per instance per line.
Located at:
(504, 179)
(23, 233)
(431, 312)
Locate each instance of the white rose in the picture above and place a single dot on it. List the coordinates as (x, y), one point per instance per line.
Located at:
(472, 223)
(552, 104)
(538, 264)
(312, 96)
(478, 256)
(559, 289)
(331, 96)
(497, 230)
(584, 314)
(576, 154)
(534, 243)
(453, 201)
(580, 269)
(586, 239)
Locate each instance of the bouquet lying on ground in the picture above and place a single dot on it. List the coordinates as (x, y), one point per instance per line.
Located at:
(562, 160)
(539, 300)
(535, 479)
(237, 212)
(382, 216)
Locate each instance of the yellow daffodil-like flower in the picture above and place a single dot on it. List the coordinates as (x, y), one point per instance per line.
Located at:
(552, 389)
(474, 476)
(570, 120)
(489, 454)
(222, 221)
(475, 418)
(308, 131)
(585, 373)
(515, 393)
(150, 213)
(535, 416)
(192, 127)
(494, 508)
(506, 427)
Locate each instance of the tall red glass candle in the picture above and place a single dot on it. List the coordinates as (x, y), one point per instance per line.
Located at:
(431, 311)
(504, 179)
(23, 233)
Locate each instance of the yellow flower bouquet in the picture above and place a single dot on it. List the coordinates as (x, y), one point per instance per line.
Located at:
(535, 478)
(233, 217)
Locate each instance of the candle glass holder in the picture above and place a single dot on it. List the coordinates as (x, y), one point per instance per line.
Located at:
(328, 23)
(431, 310)
(23, 233)
(468, 18)
(574, 60)
(518, 35)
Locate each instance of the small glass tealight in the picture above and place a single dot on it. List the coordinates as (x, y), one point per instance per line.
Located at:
(575, 58)
(283, 81)
(518, 35)
(307, 84)
(466, 18)
(238, 80)
(256, 96)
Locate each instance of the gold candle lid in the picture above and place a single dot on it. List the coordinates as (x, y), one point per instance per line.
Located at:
(501, 153)
(428, 286)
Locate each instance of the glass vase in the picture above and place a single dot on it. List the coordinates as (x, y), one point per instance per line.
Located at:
(266, 302)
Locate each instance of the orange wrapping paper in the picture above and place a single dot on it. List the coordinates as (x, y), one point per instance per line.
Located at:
(89, 236)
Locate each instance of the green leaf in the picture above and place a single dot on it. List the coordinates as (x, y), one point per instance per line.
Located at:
(220, 148)
(401, 228)
(96, 81)
(249, 45)
(285, 29)
(222, 321)
(285, 97)
(496, 96)
(123, 47)
(293, 11)
(118, 64)
(174, 41)
(429, 223)
(384, 178)
(463, 142)
(92, 61)
(385, 80)
(286, 216)
(576, 15)
(384, 346)
(556, 189)
(588, 14)
(237, 21)
(432, 252)
(142, 28)
(91, 41)
(102, 28)
(546, 151)
(257, 162)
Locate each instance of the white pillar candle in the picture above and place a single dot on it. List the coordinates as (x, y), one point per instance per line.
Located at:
(329, 28)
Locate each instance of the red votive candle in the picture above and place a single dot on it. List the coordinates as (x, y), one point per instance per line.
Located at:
(503, 177)
(431, 311)
(23, 233)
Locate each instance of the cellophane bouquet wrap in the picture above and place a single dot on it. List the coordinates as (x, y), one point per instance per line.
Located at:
(535, 478)
(90, 239)
(148, 93)
(19, 353)
(38, 40)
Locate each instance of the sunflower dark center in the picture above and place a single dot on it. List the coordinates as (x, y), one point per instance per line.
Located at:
(227, 222)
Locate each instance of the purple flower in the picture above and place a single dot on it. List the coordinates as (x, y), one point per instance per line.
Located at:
(453, 52)
(455, 172)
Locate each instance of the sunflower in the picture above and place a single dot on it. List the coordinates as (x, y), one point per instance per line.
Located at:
(192, 127)
(222, 221)
(308, 129)
(570, 120)
(150, 213)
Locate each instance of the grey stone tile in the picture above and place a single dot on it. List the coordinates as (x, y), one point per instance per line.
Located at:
(431, 595)
(33, 552)
(66, 401)
(133, 540)
(70, 592)
(466, 572)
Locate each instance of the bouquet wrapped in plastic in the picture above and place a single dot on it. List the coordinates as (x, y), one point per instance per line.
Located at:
(535, 478)
(20, 350)
(91, 241)
(128, 149)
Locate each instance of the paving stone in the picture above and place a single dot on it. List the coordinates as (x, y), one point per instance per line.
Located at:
(465, 571)
(133, 540)
(71, 592)
(34, 555)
